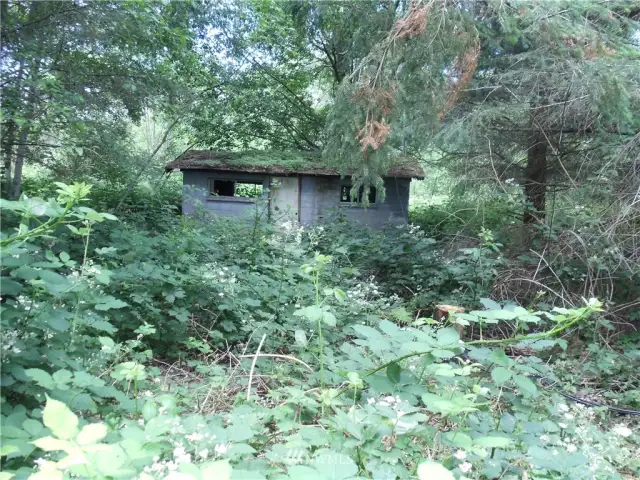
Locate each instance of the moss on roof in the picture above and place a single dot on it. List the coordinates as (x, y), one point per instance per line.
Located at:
(275, 162)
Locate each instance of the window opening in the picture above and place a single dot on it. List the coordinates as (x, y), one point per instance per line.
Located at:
(345, 194)
(248, 190)
(230, 188)
(222, 188)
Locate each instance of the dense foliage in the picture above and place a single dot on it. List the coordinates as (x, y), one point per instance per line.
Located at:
(494, 336)
(135, 353)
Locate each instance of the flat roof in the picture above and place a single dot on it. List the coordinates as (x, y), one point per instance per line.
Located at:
(278, 163)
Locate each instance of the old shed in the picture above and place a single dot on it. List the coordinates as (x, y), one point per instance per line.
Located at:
(284, 186)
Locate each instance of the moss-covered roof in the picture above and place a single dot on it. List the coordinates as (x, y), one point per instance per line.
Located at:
(277, 163)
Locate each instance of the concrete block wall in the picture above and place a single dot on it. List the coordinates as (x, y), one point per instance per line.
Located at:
(196, 196)
(319, 199)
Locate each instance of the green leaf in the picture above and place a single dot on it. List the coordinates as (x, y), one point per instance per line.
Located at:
(492, 442)
(84, 379)
(500, 375)
(10, 431)
(500, 358)
(103, 277)
(103, 326)
(434, 471)
(9, 287)
(439, 353)
(329, 318)
(6, 476)
(6, 449)
(393, 372)
(62, 421)
(92, 433)
(34, 427)
(252, 302)
(52, 278)
(62, 377)
(458, 439)
(110, 461)
(490, 304)
(220, 470)
(108, 216)
(298, 472)
(64, 256)
(51, 444)
(447, 336)
(525, 385)
(57, 321)
(107, 342)
(25, 273)
(239, 433)
(301, 338)
(496, 315)
(558, 460)
(41, 377)
(108, 302)
(334, 465)
(312, 313)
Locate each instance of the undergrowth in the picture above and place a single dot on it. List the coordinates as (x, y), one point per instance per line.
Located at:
(185, 350)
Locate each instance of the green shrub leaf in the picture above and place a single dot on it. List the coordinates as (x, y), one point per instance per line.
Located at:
(393, 372)
(92, 433)
(60, 419)
(500, 375)
(41, 377)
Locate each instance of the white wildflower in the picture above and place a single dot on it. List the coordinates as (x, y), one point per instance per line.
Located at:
(544, 438)
(371, 401)
(465, 467)
(460, 455)
(181, 456)
(194, 437)
(204, 453)
(571, 448)
(221, 449)
(622, 430)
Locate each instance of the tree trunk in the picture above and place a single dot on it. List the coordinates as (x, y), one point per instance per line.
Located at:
(7, 151)
(15, 188)
(535, 180)
(21, 152)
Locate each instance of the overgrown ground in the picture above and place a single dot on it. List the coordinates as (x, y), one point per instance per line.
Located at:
(151, 346)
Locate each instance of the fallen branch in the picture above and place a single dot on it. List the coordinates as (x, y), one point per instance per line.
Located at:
(253, 366)
(286, 357)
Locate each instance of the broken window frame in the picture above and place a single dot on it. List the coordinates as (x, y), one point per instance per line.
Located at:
(345, 195)
(235, 184)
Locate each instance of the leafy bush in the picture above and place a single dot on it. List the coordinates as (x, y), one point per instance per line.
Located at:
(239, 351)
(466, 216)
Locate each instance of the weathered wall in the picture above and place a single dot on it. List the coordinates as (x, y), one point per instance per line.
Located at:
(196, 198)
(320, 200)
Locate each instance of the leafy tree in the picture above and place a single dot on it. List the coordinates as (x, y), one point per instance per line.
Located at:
(540, 92)
(277, 66)
(552, 98)
(75, 72)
